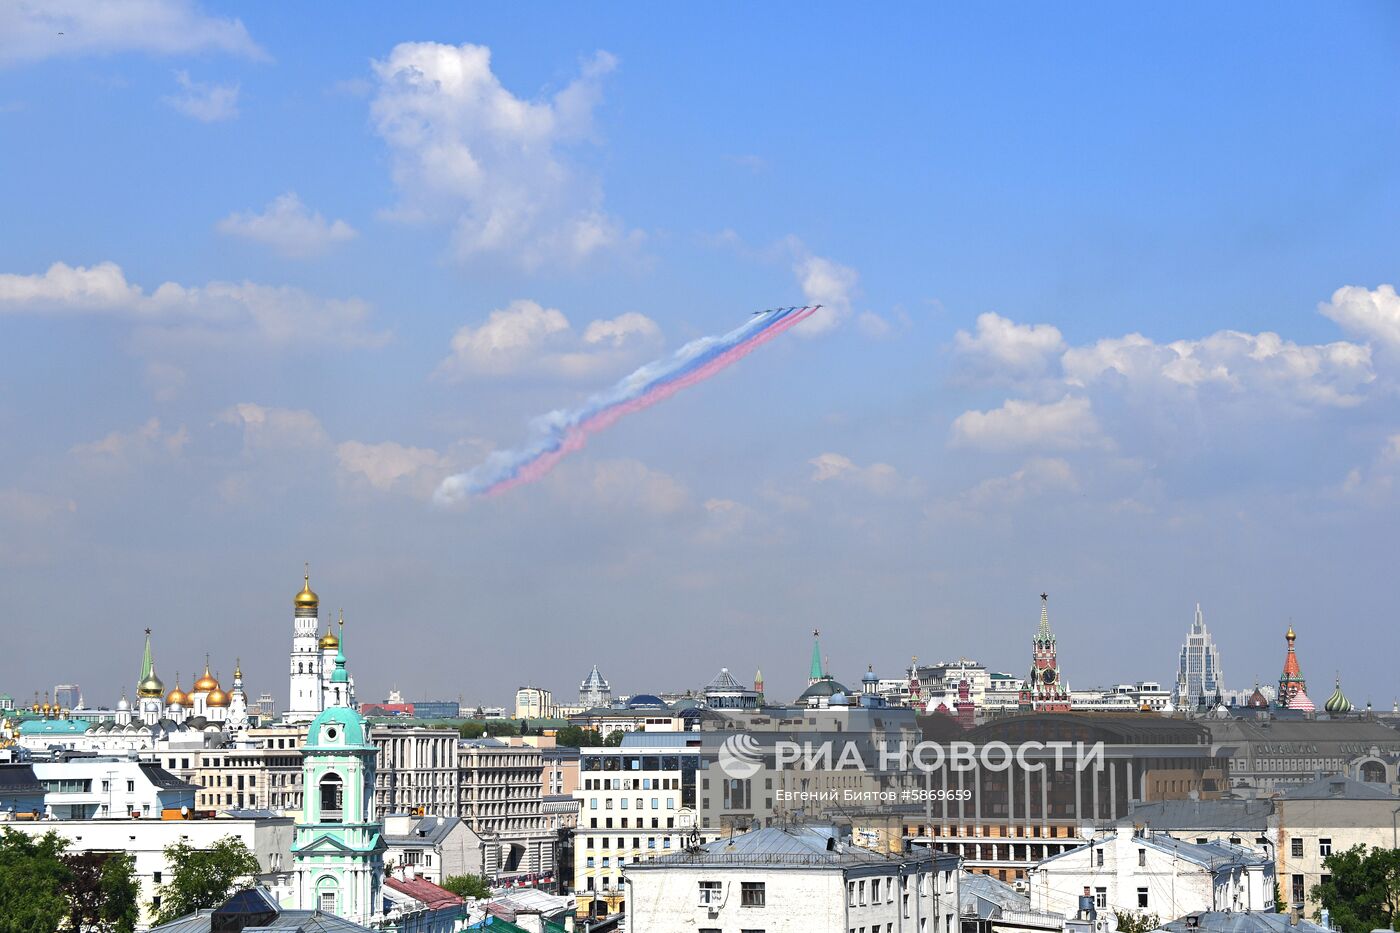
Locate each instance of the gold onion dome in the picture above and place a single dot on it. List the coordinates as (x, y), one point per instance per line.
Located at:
(216, 698)
(151, 686)
(177, 696)
(329, 641)
(207, 683)
(307, 598)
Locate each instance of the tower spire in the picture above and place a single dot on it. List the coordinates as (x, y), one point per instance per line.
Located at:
(339, 676)
(1044, 631)
(817, 671)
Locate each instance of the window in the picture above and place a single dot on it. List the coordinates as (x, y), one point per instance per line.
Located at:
(1142, 897)
(752, 894)
(1098, 858)
(328, 902)
(131, 787)
(875, 891)
(710, 893)
(1296, 846)
(1142, 858)
(155, 876)
(1101, 897)
(1324, 847)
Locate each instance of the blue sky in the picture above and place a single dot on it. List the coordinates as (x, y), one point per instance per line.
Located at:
(1110, 314)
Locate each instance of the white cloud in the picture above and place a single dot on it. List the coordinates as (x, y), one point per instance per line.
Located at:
(33, 508)
(879, 478)
(630, 484)
(31, 32)
(142, 444)
(467, 151)
(1003, 344)
(289, 227)
(829, 284)
(219, 312)
(1373, 315)
(1065, 425)
(1039, 475)
(525, 337)
(275, 428)
(207, 103)
(1376, 482)
(1324, 374)
(389, 466)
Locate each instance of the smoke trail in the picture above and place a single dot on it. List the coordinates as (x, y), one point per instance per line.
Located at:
(564, 432)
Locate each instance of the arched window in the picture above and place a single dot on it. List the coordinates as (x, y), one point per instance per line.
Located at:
(1373, 772)
(299, 670)
(332, 799)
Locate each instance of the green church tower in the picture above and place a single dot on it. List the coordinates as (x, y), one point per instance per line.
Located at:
(338, 849)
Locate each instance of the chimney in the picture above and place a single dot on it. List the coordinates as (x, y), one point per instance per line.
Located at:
(531, 920)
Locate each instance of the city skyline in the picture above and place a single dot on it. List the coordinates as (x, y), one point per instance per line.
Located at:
(1095, 324)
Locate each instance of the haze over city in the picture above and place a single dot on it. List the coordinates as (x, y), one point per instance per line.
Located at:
(1108, 311)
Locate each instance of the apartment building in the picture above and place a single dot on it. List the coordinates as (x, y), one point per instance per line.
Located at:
(499, 796)
(260, 771)
(415, 771)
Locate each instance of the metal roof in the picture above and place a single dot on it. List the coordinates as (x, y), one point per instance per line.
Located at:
(781, 846)
(1205, 815)
(1219, 921)
(1339, 787)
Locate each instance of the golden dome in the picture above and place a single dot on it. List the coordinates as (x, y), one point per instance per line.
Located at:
(151, 687)
(306, 598)
(216, 698)
(329, 641)
(177, 696)
(205, 684)
(1290, 636)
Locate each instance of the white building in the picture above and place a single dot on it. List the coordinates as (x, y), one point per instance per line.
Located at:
(800, 878)
(433, 847)
(270, 840)
(1198, 669)
(312, 661)
(1153, 874)
(88, 788)
(534, 703)
(594, 690)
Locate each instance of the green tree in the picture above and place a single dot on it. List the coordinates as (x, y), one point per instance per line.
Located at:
(614, 739)
(32, 880)
(1363, 892)
(102, 890)
(204, 878)
(575, 737)
(472, 886)
(471, 730)
(1129, 922)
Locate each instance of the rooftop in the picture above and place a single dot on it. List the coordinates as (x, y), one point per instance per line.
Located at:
(785, 847)
(1338, 787)
(1220, 921)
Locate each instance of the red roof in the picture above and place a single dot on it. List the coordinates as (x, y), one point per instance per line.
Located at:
(425, 891)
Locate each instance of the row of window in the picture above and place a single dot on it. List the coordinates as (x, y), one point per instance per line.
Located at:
(1295, 847)
(641, 803)
(641, 823)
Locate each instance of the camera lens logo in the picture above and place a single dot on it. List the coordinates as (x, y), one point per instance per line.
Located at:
(740, 756)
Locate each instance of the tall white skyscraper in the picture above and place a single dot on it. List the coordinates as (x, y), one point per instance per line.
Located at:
(1198, 671)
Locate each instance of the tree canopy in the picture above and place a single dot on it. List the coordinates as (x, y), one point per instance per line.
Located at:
(472, 886)
(1363, 891)
(204, 878)
(43, 888)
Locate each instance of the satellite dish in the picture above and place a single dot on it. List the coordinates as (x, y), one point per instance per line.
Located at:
(685, 818)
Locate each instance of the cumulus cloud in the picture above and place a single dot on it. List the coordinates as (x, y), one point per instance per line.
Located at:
(143, 444)
(1064, 425)
(829, 284)
(468, 152)
(1326, 374)
(525, 337)
(389, 466)
(879, 478)
(1372, 315)
(267, 428)
(31, 32)
(207, 103)
(289, 227)
(1039, 476)
(634, 485)
(33, 508)
(219, 312)
(1002, 344)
